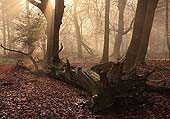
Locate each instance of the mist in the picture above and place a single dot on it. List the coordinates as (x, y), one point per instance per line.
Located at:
(90, 20)
(84, 59)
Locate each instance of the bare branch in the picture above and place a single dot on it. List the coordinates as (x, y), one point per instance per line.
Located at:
(130, 27)
(12, 50)
(26, 54)
(61, 48)
(124, 32)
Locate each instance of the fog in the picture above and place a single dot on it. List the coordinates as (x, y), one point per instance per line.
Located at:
(17, 25)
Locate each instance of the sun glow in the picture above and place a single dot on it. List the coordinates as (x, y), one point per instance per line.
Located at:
(68, 2)
(53, 3)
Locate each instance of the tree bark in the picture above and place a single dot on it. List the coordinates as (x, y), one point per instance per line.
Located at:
(53, 29)
(105, 57)
(9, 32)
(118, 40)
(4, 26)
(54, 20)
(29, 44)
(151, 7)
(133, 48)
(97, 25)
(167, 26)
(78, 34)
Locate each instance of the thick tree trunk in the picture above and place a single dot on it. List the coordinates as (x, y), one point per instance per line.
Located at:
(78, 34)
(118, 40)
(132, 51)
(49, 13)
(140, 38)
(105, 57)
(59, 11)
(151, 7)
(54, 21)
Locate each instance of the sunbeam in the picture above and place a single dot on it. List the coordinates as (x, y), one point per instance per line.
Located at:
(14, 7)
(53, 3)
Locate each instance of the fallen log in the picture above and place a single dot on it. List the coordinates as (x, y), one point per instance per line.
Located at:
(115, 86)
(107, 83)
(84, 79)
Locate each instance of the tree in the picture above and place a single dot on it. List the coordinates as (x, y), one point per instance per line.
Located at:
(151, 7)
(118, 40)
(9, 32)
(97, 25)
(29, 30)
(167, 26)
(54, 20)
(4, 26)
(77, 27)
(141, 32)
(105, 57)
(29, 44)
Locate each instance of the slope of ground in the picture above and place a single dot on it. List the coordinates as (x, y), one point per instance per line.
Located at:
(23, 96)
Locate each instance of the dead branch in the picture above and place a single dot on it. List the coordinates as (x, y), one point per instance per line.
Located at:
(13, 50)
(88, 49)
(126, 31)
(61, 48)
(57, 52)
(26, 54)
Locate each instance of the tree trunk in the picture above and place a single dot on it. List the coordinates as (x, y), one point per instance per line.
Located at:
(4, 26)
(9, 32)
(97, 26)
(133, 48)
(54, 21)
(43, 43)
(29, 44)
(118, 40)
(167, 26)
(77, 28)
(151, 7)
(105, 57)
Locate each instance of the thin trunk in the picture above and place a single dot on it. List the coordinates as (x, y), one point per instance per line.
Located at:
(77, 28)
(118, 40)
(151, 7)
(43, 43)
(4, 27)
(9, 33)
(28, 24)
(167, 27)
(96, 36)
(97, 18)
(105, 57)
(133, 48)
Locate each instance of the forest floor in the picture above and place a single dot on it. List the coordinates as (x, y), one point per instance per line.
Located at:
(25, 96)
